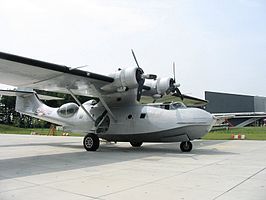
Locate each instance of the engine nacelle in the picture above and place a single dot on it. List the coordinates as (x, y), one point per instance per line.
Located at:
(124, 79)
(164, 85)
(161, 86)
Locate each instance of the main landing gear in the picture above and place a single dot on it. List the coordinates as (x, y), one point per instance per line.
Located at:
(186, 146)
(136, 144)
(91, 142)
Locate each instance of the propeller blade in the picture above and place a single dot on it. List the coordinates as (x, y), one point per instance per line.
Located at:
(172, 85)
(140, 88)
(178, 94)
(176, 91)
(135, 58)
(140, 77)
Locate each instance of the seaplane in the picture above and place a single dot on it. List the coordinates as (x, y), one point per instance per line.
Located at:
(115, 112)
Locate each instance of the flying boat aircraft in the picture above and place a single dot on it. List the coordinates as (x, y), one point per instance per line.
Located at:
(116, 114)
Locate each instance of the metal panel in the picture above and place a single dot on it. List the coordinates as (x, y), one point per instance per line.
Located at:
(260, 104)
(228, 103)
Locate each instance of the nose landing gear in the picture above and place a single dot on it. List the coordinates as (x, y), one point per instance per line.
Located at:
(186, 146)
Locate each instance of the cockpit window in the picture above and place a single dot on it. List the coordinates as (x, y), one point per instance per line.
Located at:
(177, 105)
(172, 106)
(68, 110)
(169, 105)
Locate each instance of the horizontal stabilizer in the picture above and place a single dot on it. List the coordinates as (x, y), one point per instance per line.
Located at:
(26, 93)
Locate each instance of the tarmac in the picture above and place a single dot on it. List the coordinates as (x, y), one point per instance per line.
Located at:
(52, 167)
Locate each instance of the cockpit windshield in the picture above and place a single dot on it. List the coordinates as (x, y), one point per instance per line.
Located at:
(170, 106)
(177, 105)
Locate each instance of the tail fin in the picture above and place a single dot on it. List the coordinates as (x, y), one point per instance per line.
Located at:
(28, 102)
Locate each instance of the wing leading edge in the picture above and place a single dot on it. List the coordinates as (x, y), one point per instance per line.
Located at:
(187, 100)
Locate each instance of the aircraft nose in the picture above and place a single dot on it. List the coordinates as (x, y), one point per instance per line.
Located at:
(198, 116)
(209, 119)
(212, 120)
(198, 121)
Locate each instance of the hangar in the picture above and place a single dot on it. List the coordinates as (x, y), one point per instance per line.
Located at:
(243, 109)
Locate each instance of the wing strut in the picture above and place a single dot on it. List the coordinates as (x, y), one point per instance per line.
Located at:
(80, 104)
(103, 102)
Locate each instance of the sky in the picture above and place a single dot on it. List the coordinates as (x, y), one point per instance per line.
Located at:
(217, 45)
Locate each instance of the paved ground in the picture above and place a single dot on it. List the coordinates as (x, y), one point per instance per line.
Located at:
(47, 167)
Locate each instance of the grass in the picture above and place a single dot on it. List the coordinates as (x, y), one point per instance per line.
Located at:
(251, 133)
(6, 129)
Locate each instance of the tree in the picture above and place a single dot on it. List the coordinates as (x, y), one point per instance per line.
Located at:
(7, 109)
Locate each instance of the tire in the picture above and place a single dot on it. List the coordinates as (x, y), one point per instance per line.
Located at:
(91, 142)
(186, 146)
(136, 144)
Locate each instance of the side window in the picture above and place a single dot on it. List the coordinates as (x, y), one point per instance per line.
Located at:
(142, 115)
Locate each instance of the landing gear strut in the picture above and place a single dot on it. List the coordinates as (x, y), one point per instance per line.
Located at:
(186, 146)
(91, 142)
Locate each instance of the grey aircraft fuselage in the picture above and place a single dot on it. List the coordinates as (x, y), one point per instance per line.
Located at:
(136, 123)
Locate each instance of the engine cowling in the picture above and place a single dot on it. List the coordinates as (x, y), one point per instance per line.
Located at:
(125, 79)
(161, 86)
(164, 85)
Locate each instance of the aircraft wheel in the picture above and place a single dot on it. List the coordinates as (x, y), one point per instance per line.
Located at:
(91, 142)
(136, 144)
(186, 146)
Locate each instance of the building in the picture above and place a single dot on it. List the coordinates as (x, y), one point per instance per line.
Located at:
(246, 109)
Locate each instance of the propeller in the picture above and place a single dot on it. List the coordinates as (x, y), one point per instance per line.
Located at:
(135, 58)
(174, 86)
(140, 77)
